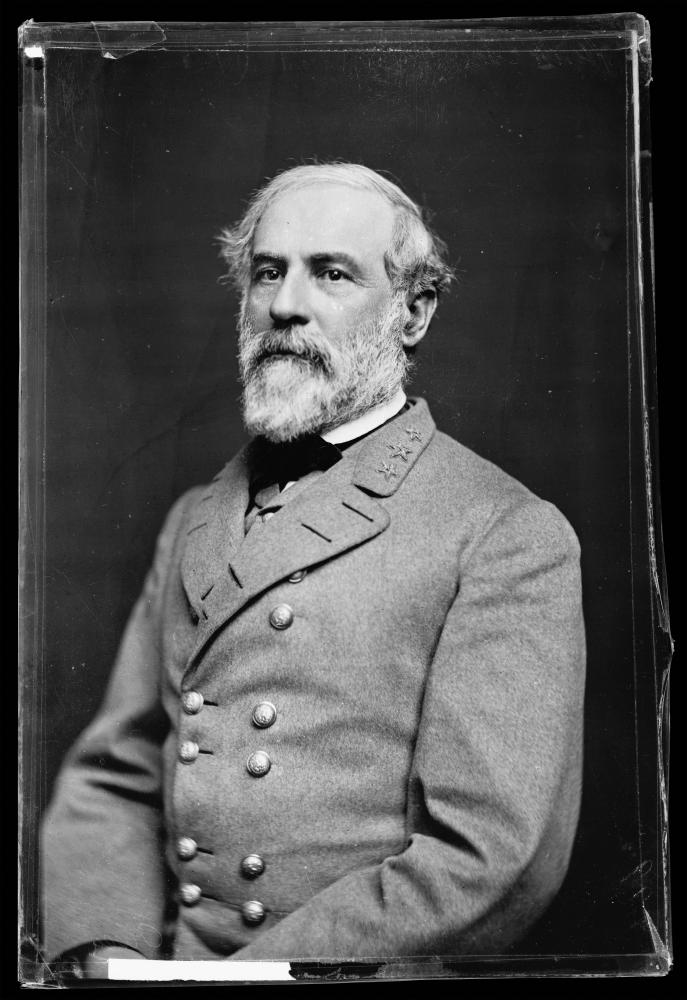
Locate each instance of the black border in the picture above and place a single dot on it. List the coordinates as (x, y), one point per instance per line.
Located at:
(668, 109)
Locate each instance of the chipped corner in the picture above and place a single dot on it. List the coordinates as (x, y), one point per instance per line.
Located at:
(28, 43)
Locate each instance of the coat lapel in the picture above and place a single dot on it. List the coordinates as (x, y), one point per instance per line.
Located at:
(215, 530)
(222, 570)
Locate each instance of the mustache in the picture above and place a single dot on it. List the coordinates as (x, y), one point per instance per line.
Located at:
(290, 342)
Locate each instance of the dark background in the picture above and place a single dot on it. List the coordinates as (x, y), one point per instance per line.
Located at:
(522, 158)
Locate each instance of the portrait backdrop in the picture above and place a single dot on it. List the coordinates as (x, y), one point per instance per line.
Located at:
(533, 360)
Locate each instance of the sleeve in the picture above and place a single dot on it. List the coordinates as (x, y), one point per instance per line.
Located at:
(496, 769)
(102, 870)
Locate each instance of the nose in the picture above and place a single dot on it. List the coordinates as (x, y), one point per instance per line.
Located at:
(290, 301)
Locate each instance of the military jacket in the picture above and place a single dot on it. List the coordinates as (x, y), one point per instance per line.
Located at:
(355, 732)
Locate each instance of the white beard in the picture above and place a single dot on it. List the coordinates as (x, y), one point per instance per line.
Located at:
(321, 384)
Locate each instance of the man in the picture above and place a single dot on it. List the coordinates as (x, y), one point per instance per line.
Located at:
(345, 720)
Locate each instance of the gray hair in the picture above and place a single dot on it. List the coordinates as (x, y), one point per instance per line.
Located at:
(415, 261)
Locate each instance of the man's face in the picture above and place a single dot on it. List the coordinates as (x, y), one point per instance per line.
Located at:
(320, 330)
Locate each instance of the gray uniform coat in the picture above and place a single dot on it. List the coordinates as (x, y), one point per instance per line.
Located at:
(418, 789)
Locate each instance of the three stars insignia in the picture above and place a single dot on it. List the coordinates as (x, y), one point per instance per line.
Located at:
(388, 469)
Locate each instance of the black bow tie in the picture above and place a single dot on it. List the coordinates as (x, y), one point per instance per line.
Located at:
(285, 463)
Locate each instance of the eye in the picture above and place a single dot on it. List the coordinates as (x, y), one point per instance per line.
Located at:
(334, 274)
(267, 274)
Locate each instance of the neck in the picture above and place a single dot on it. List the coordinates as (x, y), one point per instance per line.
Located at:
(367, 421)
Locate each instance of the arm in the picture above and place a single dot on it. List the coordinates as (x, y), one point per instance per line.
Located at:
(496, 771)
(90, 960)
(102, 868)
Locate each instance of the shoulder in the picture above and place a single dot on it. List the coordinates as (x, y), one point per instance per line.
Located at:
(178, 514)
(473, 487)
(477, 475)
(174, 527)
(185, 512)
(182, 511)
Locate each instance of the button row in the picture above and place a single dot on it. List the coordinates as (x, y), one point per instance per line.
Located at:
(252, 911)
(264, 714)
(258, 764)
(251, 867)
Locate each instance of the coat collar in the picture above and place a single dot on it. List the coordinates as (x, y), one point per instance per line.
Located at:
(387, 455)
(222, 569)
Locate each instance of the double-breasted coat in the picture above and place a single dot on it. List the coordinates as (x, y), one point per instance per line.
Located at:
(353, 733)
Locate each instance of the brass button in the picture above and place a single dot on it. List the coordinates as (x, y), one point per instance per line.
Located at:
(281, 616)
(264, 715)
(252, 866)
(186, 848)
(188, 751)
(189, 893)
(253, 912)
(258, 763)
(192, 702)
(297, 576)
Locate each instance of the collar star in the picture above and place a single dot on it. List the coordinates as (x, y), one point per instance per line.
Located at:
(389, 470)
(413, 433)
(400, 451)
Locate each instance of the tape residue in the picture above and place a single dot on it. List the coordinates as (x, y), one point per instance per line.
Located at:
(121, 38)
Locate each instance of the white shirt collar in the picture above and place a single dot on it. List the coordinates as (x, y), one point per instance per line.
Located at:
(367, 422)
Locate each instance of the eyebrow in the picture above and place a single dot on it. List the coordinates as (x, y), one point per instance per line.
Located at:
(336, 256)
(267, 258)
(324, 257)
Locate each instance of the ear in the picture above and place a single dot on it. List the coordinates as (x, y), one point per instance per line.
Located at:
(420, 309)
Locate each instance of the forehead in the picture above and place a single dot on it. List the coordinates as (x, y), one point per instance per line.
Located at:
(323, 218)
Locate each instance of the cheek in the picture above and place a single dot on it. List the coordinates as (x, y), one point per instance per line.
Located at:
(256, 306)
(343, 314)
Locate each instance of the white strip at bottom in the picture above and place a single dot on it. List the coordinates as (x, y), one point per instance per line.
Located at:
(152, 970)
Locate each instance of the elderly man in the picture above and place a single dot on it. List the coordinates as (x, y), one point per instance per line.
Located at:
(345, 720)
